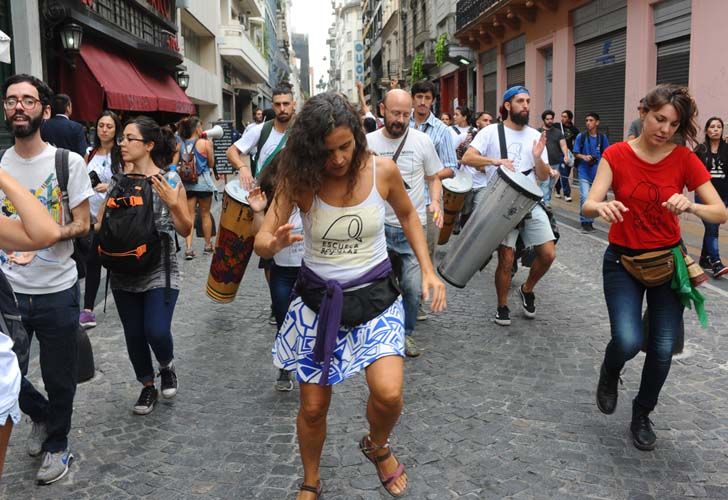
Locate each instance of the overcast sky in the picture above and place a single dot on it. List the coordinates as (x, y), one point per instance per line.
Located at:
(314, 18)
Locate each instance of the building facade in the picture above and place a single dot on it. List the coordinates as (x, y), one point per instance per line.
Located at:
(595, 55)
(347, 48)
(299, 42)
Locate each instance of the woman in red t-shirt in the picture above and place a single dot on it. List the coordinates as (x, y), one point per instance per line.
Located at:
(648, 175)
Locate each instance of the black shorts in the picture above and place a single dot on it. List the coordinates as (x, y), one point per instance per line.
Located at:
(200, 195)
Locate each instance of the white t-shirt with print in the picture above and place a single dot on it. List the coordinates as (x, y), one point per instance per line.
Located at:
(52, 270)
(417, 159)
(101, 164)
(519, 144)
(249, 141)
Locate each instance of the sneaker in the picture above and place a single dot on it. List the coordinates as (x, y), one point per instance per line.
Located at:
(410, 347)
(87, 319)
(421, 313)
(567, 199)
(54, 466)
(705, 262)
(718, 269)
(643, 437)
(557, 195)
(528, 301)
(169, 381)
(36, 438)
(503, 316)
(145, 403)
(284, 382)
(587, 227)
(272, 319)
(190, 254)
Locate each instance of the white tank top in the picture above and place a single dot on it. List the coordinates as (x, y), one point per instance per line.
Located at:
(343, 243)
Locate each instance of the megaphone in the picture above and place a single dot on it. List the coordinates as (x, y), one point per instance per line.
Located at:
(215, 132)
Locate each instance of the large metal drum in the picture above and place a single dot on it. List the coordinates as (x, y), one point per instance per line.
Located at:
(508, 198)
(454, 191)
(233, 246)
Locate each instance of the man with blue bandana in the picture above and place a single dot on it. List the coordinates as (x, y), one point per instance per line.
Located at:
(527, 154)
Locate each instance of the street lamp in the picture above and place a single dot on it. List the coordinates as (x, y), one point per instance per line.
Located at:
(183, 80)
(71, 36)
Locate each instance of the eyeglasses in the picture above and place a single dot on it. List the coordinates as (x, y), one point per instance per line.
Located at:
(27, 102)
(120, 140)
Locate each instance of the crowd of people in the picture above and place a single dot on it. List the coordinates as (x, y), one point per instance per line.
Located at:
(347, 206)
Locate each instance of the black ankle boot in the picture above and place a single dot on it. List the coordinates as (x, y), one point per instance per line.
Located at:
(607, 391)
(643, 436)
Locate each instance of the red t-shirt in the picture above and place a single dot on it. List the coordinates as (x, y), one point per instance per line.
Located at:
(643, 187)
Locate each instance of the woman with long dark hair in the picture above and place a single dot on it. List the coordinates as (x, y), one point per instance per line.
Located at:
(714, 154)
(644, 256)
(146, 300)
(102, 161)
(198, 193)
(348, 315)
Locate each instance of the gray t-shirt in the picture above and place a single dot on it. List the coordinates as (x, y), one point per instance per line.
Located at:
(635, 128)
(155, 277)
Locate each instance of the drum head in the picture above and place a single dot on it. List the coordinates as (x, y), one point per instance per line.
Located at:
(521, 183)
(236, 191)
(461, 183)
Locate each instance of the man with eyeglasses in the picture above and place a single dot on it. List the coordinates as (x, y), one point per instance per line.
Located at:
(415, 155)
(46, 282)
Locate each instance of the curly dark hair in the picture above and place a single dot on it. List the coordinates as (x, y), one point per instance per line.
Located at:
(303, 160)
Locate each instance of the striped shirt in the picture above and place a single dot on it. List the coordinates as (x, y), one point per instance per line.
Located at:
(442, 139)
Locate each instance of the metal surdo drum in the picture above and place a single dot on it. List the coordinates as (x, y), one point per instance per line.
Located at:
(233, 246)
(508, 198)
(454, 191)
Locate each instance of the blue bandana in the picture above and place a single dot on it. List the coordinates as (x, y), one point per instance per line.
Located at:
(518, 89)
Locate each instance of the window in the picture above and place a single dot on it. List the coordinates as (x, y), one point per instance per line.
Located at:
(349, 75)
(348, 56)
(348, 36)
(192, 46)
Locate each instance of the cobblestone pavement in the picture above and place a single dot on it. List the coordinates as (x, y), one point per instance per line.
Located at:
(490, 412)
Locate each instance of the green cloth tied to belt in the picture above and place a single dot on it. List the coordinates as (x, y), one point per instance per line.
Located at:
(685, 290)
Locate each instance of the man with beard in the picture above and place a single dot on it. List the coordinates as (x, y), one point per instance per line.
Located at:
(526, 154)
(46, 282)
(415, 155)
(250, 155)
(266, 137)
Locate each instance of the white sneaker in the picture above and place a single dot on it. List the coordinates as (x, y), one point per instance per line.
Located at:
(36, 438)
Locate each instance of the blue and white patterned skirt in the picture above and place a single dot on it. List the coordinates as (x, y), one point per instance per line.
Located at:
(356, 348)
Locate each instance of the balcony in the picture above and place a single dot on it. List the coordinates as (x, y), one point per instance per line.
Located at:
(469, 10)
(251, 8)
(239, 50)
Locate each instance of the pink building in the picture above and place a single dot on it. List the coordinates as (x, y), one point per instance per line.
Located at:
(596, 55)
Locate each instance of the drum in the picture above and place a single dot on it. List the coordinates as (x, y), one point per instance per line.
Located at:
(454, 191)
(233, 245)
(508, 198)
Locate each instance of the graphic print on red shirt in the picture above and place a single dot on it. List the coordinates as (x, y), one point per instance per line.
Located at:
(642, 187)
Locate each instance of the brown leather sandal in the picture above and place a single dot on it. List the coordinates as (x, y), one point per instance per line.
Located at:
(313, 489)
(368, 448)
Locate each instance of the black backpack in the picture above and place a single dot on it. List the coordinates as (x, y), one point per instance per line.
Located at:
(11, 324)
(129, 242)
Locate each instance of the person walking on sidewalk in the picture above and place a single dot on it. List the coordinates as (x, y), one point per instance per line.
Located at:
(589, 147)
(418, 163)
(714, 155)
(557, 151)
(46, 282)
(198, 193)
(648, 175)
(146, 301)
(330, 334)
(102, 162)
(569, 131)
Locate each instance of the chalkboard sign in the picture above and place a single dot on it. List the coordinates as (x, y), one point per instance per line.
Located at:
(222, 165)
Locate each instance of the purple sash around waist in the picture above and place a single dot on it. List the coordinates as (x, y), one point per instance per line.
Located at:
(332, 303)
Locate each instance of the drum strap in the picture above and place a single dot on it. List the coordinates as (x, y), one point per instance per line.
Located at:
(395, 157)
(502, 141)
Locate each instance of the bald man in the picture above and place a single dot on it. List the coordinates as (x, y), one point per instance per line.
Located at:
(415, 155)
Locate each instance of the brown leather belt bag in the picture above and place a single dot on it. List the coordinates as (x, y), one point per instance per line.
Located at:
(650, 268)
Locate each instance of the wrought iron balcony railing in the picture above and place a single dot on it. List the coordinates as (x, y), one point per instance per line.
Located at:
(468, 11)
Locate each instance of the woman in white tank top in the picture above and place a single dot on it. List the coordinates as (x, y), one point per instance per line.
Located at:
(329, 175)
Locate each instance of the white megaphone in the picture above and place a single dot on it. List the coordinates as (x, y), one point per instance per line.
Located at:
(215, 132)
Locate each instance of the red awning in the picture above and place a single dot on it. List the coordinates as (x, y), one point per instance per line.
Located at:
(119, 79)
(170, 97)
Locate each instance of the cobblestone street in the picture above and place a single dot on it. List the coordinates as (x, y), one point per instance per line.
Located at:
(490, 412)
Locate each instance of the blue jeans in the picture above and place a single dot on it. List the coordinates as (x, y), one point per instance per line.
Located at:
(563, 183)
(281, 284)
(710, 237)
(53, 318)
(408, 273)
(586, 177)
(546, 187)
(147, 322)
(624, 296)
